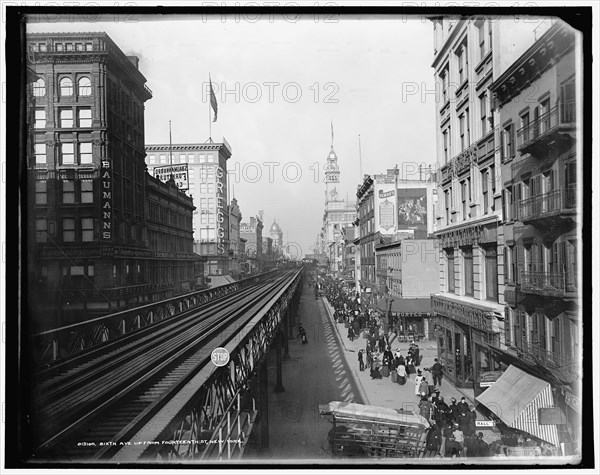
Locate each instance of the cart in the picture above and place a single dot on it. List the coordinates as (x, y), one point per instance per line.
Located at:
(373, 431)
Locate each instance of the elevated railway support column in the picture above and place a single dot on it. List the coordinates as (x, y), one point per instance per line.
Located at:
(264, 406)
(285, 333)
(279, 369)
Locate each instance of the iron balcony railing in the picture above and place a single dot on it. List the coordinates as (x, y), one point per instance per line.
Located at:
(549, 283)
(566, 365)
(555, 200)
(563, 113)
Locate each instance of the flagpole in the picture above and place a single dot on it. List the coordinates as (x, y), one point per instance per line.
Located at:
(209, 120)
(170, 146)
(360, 158)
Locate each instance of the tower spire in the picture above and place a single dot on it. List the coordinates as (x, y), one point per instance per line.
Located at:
(331, 134)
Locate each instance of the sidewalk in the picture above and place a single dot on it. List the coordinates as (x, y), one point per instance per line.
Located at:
(382, 392)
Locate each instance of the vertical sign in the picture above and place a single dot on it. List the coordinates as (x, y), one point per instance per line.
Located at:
(106, 200)
(220, 214)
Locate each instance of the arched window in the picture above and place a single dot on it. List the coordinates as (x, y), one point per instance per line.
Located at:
(39, 88)
(84, 87)
(66, 87)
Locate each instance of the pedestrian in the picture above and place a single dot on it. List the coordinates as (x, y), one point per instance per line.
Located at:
(472, 419)
(425, 408)
(434, 441)
(424, 386)
(382, 344)
(303, 335)
(418, 379)
(361, 363)
(483, 447)
(401, 369)
(463, 406)
(455, 409)
(453, 448)
(436, 372)
(350, 333)
(385, 366)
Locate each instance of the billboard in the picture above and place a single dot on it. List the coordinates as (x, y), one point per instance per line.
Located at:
(385, 207)
(179, 173)
(412, 208)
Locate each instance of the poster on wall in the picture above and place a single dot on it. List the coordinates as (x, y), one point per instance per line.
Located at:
(385, 211)
(412, 208)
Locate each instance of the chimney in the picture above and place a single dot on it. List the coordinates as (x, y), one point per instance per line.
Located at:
(260, 214)
(135, 61)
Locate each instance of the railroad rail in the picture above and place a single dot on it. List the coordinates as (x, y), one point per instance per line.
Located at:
(49, 346)
(93, 405)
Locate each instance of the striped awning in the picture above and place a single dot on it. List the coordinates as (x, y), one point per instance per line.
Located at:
(516, 397)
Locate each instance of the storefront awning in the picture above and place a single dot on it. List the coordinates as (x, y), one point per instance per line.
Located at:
(516, 397)
(417, 307)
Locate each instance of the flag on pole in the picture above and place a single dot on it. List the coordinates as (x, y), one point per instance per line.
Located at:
(213, 99)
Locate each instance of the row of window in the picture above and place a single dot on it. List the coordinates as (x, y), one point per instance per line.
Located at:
(81, 274)
(65, 87)
(490, 271)
(60, 47)
(72, 230)
(73, 191)
(67, 118)
(165, 215)
(488, 189)
(180, 158)
(69, 153)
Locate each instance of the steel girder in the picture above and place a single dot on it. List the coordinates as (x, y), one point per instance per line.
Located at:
(216, 422)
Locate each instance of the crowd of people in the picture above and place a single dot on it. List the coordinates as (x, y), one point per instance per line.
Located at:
(453, 431)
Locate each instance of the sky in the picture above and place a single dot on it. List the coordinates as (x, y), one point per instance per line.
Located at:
(282, 83)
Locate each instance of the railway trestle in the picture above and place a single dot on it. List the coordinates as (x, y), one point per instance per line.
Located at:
(213, 415)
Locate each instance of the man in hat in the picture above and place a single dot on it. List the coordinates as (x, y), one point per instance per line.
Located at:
(463, 406)
(436, 372)
(455, 409)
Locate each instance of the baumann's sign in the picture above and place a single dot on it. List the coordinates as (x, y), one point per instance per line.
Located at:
(106, 200)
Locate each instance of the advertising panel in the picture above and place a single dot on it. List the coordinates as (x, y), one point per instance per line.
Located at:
(412, 208)
(179, 173)
(385, 208)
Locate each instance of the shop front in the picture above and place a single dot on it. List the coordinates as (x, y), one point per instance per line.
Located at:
(408, 318)
(462, 333)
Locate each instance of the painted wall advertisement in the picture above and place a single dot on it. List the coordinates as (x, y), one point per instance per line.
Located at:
(386, 195)
(412, 209)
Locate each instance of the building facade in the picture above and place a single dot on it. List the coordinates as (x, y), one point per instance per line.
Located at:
(407, 273)
(538, 105)
(171, 266)
(207, 184)
(88, 237)
(338, 214)
(235, 248)
(251, 232)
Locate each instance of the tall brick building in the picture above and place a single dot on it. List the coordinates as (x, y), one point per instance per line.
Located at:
(90, 248)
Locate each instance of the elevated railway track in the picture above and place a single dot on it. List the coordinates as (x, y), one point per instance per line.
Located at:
(155, 393)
